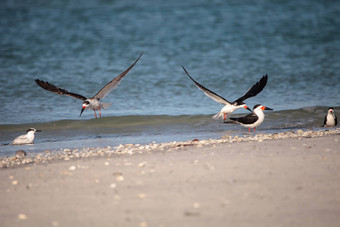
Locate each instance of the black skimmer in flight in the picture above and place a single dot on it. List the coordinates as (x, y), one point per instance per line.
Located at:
(330, 119)
(94, 103)
(238, 103)
(252, 120)
(27, 138)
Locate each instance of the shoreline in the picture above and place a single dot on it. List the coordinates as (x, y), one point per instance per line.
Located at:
(288, 179)
(67, 154)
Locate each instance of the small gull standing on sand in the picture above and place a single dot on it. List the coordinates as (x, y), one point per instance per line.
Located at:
(92, 103)
(252, 120)
(231, 106)
(27, 138)
(330, 119)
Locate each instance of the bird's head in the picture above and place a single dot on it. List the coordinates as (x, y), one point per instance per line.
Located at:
(259, 106)
(85, 105)
(32, 130)
(331, 110)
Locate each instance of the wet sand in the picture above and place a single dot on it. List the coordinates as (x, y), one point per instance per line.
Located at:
(274, 182)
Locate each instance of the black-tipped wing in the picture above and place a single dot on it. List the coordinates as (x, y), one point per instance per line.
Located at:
(60, 91)
(247, 120)
(325, 121)
(254, 90)
(207, 92)
(114, 83)
(336, 120)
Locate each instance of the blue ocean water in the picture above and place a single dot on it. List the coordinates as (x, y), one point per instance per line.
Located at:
(225, 45)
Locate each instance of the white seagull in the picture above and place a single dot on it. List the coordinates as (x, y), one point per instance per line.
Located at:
(330, 119)
(231, 106)
(27, 138)
(94, 103)
(252, 120)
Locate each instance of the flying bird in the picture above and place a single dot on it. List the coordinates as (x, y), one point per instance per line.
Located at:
(230, 107)
(93, 103)
(27, 138)
(253, 119)
(330, 119)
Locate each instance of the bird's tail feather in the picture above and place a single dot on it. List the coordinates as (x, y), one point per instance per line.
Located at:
(218, 116)
(106, 105)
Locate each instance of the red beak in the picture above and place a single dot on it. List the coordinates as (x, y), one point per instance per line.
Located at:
(247, 108)
(265, 108)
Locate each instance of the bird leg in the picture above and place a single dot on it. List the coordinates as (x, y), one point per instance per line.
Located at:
(100, 115)
(95, 113)
(249, 130)
(254, 129)
(225, 116)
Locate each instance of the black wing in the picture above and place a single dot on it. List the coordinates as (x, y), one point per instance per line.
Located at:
(336, 120)
(254, 90)
(50, 87)
(325, 121)
(249, 119)
(207, 92)
(113, 84)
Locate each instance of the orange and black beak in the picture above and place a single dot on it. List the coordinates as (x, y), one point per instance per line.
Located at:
(266, 108)
(82, 110)
(247, 108)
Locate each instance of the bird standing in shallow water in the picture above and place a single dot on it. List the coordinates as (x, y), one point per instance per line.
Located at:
(252, 120)
(330, 119)
(27, 138)
(231, 106)
(94, 103)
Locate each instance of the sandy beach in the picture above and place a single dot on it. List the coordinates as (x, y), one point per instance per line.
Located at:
(291, 181)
